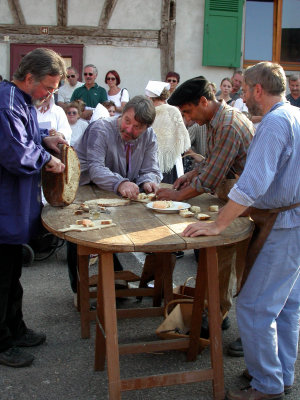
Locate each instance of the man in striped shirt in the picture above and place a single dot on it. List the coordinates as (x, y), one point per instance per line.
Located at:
(268, 307)
(229, 134)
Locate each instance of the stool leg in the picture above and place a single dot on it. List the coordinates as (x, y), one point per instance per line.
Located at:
(83, 273)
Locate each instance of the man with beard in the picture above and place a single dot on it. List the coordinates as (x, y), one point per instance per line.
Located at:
(22, 156)
(119, 155)
(268, 306)
(90, 93)
(294, 85)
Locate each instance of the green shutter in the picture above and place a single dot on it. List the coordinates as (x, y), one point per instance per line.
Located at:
(222, 33)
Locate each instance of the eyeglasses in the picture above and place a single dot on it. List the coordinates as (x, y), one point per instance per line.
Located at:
(71, 76)
(110, 78)
(88, 74)
(172, 80)
(50, 92)
(72, 112)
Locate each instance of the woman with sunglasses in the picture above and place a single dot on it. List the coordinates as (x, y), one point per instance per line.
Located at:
(173, 79)
(78, 125)
(119, 96)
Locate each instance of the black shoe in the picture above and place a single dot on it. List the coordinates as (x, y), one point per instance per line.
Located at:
(205, 329)
(226, 323)
(30, 339)
(15, 357)
(179, 254)
(235, 348)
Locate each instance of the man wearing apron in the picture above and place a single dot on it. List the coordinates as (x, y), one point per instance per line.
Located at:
(269, 191)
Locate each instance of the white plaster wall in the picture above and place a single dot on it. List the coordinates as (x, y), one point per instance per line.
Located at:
(189, 43)
(5, 14)
(89, 17)
(41, 12)
(4, 60)
(135, 65)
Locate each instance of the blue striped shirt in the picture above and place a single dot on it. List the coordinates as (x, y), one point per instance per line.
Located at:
(271, 175)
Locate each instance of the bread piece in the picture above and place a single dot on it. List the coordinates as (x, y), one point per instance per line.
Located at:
(163, 204)
(186, 213)
(108, 202)
(195, 209)
(214, 208)
(60, 189)
(78, 212)
(151, 196)
(142, 196)
(202, 217)
(105, 221)
(85, 222)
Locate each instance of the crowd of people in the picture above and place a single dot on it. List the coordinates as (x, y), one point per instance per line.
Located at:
(248, 132)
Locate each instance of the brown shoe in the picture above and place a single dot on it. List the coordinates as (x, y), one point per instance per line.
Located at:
(250, 393)
(287, 388)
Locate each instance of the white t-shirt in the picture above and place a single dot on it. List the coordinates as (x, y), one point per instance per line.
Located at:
(122, 96)
(78, 130)
(65, 92)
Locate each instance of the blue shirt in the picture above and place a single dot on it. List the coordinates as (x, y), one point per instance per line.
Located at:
(21, 159)
(271, 175)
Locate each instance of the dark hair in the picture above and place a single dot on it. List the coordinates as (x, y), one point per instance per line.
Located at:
(115, 74)
(225, 79)
(40, 62)
(172, 73)
(1, 79)
(109, 103)
(144, 110)
(191, 91)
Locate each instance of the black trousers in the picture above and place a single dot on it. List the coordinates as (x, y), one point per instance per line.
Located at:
(72, 264)
(12, 325)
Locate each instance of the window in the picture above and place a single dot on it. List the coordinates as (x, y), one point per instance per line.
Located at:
(272, 32)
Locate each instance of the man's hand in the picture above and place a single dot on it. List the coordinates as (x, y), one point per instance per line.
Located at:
(54, 165)
(185, 180)
(128, 189)
(53, 132)
(51, 142)
(150, 187)
(168, 194)
(201, 229)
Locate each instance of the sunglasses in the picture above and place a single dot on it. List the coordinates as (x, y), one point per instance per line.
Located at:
(111, 78)
(70, 76)
(172, 80)
(88, 74)
(72, 112)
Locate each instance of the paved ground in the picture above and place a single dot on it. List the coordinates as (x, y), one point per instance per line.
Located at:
(63, 368)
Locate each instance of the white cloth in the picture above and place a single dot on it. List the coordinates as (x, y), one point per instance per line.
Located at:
(155, 88)
(99, 112)
(172, 136)
(119, 98)
(55, 118)
(78, 130)
(65, 92)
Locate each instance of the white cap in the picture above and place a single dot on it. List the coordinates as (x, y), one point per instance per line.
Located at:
(154, 88)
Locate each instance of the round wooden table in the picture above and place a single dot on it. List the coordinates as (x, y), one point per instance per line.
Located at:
(139, 229)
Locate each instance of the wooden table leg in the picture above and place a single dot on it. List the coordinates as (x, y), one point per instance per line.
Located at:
(107, 306)
(100, 344)
(83, 270)
(214, 318)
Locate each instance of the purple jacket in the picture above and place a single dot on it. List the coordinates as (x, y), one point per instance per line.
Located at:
(21, 159)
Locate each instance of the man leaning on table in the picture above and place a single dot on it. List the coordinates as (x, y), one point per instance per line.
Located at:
(119, 155)
(23, 153)
(268, 306)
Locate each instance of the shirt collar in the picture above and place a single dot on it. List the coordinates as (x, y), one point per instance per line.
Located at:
(215, 119)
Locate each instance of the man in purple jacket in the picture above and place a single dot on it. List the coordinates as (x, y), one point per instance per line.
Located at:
(22, 156)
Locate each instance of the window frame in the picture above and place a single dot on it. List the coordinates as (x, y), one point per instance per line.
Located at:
(276, 48)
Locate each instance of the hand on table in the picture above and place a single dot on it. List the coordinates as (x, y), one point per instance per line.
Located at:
(167, 194)
(128, 189)
(202, 229)
(185, 180)
(150, 187)
(54, 165)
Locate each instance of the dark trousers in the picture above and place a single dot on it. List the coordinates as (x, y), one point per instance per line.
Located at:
(72, 264)
(12, 325)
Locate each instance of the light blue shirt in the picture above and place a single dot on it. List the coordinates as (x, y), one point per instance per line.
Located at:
(271, 178)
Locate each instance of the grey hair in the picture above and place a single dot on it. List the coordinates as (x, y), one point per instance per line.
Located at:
(40, 62)
(93, 66)
(269, 75)
(294, 77)
(144, 110)
(73, 68)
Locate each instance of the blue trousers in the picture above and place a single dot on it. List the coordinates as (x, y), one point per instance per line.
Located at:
(268, 312)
